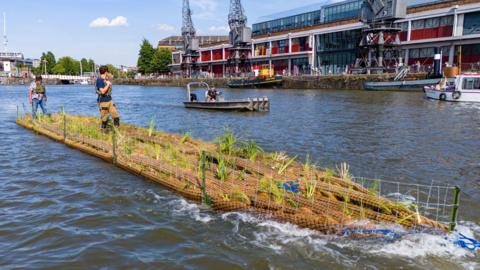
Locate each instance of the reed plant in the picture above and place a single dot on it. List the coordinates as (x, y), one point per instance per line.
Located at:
(285, 164)
(151, 129)
(344, 171)
(158, 151)
(373, 190)
(238, 195)
(271, 187)
(186, 137)
(251, 150)
(227, 142)
(222, 169)
(311, 187)
(328, 175)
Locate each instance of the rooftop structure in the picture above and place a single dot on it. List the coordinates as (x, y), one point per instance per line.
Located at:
(176, 42)
(325, 11)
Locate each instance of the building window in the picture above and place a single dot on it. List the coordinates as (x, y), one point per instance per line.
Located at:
(427, 52)
(418, 24)
(446, 21)
(471, 24)
(403, 26)
(445, 50)
(414, 53)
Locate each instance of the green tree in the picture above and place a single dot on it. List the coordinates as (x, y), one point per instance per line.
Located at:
(131, 74)
(67, 66)
(85, 66)
(161, 61)
(145, 57)
(50, 63)
(112, 69)
(91, 65)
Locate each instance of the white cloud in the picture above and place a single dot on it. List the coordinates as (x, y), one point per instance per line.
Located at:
(119, 21)
(105, 22)
(165, 27)
(219, 29)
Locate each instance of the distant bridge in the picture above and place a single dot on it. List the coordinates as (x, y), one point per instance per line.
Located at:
(66, 77)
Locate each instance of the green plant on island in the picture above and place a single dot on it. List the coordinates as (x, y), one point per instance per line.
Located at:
(227, 142)
(328, 175)
(222, 169)
(251, 149)
(271, 187)
(238, 195)
(285, 164)
(151, 128)
(186, 137)
(311, 187)
(344, 171)
(373, 190)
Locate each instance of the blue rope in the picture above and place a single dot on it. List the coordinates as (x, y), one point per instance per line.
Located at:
(466, 242)
(385, 232)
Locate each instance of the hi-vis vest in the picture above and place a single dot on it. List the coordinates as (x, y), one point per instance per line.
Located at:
(40, 89)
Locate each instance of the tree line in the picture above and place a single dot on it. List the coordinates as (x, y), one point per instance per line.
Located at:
(153, 61)
(150, 61)
(68, 66)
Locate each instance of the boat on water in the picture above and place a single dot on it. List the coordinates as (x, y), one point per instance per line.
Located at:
(264, 78)
(413, 85)
(215, 101)
(84, 82)
(465, 88)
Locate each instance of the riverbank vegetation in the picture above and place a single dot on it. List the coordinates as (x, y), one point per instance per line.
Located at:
(67, 65)
(235, 175)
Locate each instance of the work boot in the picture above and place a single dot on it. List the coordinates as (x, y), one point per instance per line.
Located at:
(104, 125)
(116, 122)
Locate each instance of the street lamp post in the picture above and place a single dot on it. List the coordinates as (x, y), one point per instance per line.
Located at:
(45, 65)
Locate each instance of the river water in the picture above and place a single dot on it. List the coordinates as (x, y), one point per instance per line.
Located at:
(60, 208)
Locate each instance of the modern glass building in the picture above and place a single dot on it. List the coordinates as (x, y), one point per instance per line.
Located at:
(337, 50)
(308, 16)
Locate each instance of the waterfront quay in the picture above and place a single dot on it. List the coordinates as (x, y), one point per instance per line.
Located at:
(323, 39)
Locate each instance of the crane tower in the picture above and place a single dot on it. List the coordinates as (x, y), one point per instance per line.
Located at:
(380, 44)
(240, 39)
(190, 42)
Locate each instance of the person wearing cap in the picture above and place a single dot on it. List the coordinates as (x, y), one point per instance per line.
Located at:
(105, 102)
(37, 96)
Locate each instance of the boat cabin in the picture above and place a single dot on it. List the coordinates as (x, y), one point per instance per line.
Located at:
(468, 81)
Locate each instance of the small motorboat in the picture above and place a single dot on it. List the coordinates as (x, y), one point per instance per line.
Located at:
(84, 82)
(466, 88)
(215, 101)
(264, 78)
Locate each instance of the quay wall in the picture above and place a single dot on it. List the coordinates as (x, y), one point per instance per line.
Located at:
(337, 82)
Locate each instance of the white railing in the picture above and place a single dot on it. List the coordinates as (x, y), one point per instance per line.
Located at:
(65, 77)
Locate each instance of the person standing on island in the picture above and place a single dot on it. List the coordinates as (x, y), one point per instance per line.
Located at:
(105, 102)
(37, 96)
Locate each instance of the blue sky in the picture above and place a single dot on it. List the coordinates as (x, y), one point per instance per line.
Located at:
(110, 31)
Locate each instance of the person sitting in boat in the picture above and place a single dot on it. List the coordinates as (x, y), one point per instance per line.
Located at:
(442, 85)
(212, 94)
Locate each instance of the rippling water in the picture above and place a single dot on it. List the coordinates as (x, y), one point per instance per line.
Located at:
(60, 208)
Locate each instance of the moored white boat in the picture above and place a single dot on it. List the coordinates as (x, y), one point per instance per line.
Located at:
(84, 82)
(465, 89)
